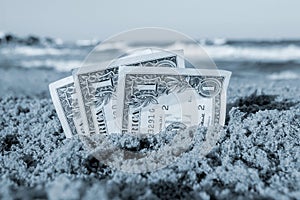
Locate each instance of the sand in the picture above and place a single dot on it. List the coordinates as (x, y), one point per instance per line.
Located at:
(257, 156)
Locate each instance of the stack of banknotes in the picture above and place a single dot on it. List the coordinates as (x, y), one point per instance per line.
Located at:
(140, 94)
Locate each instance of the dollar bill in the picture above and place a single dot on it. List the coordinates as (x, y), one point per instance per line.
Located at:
(65, 101)
(96, 88)
(156, 99)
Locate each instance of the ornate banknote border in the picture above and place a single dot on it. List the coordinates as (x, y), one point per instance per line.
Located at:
(164, 85)
(65, 96)
(88, 92)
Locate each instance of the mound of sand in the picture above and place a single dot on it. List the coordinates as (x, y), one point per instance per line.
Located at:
(258, 155)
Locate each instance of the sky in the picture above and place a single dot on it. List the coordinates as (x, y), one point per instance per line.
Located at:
(88, 19)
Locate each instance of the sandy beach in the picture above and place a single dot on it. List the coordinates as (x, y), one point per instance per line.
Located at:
(258, 155)
(255, 155)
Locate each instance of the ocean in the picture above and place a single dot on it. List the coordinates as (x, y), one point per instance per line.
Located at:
(275, 59)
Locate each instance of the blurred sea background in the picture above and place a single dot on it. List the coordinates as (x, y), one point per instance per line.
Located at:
(274, 59)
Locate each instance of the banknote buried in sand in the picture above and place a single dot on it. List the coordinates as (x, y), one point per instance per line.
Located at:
(143, 96)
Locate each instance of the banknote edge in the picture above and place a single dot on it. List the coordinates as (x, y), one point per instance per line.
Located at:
(57, 104)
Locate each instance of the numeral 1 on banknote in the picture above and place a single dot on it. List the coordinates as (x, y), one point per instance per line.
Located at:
(96, 89)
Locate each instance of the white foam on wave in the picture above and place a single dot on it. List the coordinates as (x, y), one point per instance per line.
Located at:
(285, 75)
(219, 41)
(59, 65)
(112, 45)
(38, 51)
(219, 51)
(87, 42)
(232, 53)
(226, 52)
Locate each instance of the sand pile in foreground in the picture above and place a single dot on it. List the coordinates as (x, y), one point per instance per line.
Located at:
(257, 156)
